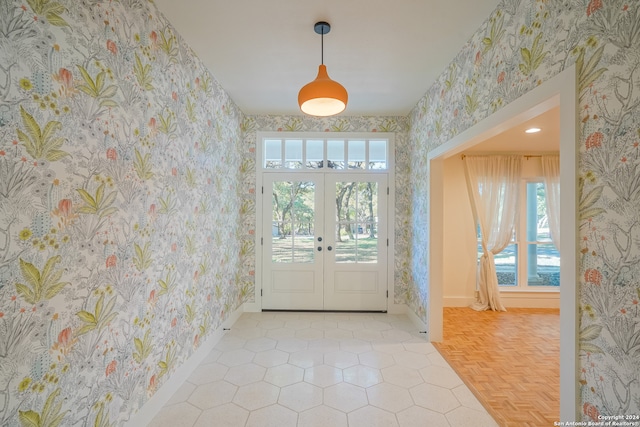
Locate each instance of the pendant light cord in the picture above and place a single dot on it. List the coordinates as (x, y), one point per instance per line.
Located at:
(322, 47)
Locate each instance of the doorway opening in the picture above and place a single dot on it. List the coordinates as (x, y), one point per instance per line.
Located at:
(558, 92)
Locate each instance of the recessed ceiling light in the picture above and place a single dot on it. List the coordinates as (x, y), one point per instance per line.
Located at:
(532, 130)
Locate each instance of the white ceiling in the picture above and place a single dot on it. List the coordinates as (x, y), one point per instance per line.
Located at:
(386, 53)
(515, 140)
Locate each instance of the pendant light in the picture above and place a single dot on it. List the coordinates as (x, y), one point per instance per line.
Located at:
(323, 96)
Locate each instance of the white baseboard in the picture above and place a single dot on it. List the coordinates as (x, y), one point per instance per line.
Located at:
(393, 308)
(514, 299)
(530, 299)
(252, 307)
(457, 301)
(422, 327)
(154, 405)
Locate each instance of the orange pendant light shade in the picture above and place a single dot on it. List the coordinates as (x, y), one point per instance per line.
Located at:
(322, 97)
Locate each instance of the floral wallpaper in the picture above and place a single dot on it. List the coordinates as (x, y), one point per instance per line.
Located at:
(120, 183)
(399, 126)
(522, 44)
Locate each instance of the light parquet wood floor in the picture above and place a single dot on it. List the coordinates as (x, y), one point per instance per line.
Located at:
(509, 360)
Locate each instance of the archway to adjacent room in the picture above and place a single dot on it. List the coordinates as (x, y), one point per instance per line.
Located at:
(557, 92)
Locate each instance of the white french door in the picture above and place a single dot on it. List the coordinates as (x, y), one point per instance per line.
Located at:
(325, 241)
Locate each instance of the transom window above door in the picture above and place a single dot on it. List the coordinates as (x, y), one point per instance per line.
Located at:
(333, 153)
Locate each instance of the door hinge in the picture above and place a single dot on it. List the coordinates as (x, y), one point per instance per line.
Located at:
(387, 242)
(261, 292)
(387, 294)
(387, 191)
(262, 190)
(262, 241)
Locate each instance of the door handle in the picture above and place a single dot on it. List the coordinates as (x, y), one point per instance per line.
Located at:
(320, 248)
(319, 239)
(329, 248)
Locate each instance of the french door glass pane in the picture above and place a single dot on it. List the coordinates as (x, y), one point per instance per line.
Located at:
(293, 222)
(356, 222)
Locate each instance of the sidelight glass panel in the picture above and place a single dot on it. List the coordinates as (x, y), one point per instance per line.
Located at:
(293, 216)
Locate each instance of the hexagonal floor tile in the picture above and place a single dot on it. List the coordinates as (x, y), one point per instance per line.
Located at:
(324, 345)
(284, 375)
(212, 394)
(297, 324)
(245, 374)
(260, 344)
(467, 417)
(208, 373)
(323, 375)
(351, 325)
(280, 333)
(401, 376)
(439, 375)
(300, 396)
(467, 398)
(370, 416)
(338, 334)
(291, 345)
(389, 397)
(419, 346)
(182, 394)
(228, 415)
(322, 416)
(230, 342)
(273, 416)
(340, 359)
(355, 346)
(180, 414)
(435, 398)
(411, 360)
(271, 358)
(309, 334)
(377, 325)
(306, 358)
(417, 416)
(345, 397)
(256, 395)
(376, 359)
(362, 376)
(271, 324)
(236, 357)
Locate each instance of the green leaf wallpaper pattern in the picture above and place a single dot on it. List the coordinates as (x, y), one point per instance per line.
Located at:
(116, 145)
(522, 44)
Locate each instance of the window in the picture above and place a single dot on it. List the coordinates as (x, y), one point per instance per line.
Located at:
(336, 153)
(531, 261)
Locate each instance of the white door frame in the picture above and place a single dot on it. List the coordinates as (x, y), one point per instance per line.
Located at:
(561, 91)
(392, 307)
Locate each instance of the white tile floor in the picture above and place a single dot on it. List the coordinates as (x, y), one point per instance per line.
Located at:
(323, 369)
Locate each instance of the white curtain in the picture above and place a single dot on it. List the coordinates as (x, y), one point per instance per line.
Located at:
(493, 183)
(551, 174)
